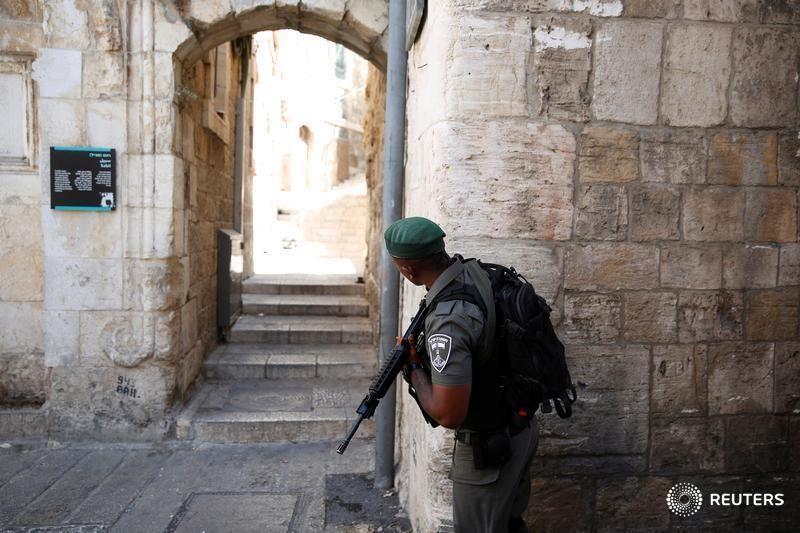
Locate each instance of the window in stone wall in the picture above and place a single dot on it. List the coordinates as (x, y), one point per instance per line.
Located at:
(16, 113)
(219, 64)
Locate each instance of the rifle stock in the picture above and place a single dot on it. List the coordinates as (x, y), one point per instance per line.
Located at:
(392, 366)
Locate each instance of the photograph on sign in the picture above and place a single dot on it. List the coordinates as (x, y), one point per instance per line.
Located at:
(82, 178)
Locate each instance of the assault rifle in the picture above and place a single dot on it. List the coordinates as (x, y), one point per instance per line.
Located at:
(392, 366)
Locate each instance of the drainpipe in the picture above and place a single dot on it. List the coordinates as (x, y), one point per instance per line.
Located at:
(393, 172)
(240, 142)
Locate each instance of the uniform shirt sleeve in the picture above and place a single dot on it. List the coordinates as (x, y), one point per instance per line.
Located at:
(452, 334)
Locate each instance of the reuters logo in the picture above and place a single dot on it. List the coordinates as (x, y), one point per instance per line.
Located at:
(684, 499)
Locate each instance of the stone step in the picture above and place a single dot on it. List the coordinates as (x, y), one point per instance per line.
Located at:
(274, 410)
(260, 361)
(303, 284)
(301, 330)
(304, 304)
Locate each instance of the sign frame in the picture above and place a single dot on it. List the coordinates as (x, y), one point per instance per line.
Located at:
(83, 178)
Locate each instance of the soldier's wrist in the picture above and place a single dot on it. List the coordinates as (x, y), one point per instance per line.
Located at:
(409, 368)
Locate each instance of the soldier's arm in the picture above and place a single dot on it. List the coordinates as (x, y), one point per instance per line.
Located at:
(447, 404)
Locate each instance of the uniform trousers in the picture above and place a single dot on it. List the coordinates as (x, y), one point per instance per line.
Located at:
(484, 500)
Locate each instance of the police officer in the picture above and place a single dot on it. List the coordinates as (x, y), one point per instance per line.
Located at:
(458, 385)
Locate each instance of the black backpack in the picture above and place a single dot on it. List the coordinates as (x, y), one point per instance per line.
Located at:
(532, 365)
(537, 373)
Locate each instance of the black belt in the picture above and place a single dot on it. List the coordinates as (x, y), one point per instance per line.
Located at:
(465, 435)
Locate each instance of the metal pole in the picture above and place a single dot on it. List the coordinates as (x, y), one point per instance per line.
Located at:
(393, 172)
(240, 151)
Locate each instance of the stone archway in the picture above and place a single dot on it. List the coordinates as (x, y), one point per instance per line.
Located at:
(181, 34)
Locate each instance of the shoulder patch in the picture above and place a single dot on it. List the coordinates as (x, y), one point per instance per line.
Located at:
(439, 349)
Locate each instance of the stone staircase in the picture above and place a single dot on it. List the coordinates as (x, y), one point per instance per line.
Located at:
(298, 362)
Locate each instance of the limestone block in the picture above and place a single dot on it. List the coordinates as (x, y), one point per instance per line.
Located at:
(21, 328)
(153, 285)
(673, 157)
(21, 10)
(789, 272)
(628, 503)
(655, 212)
(21, 265)
(740, 378)
(592, 318)
(680, 380)
(21, 274)
(58, 73)
(115, 338)
(368, 17)
(161, 235)
(67, 24)
(506, 179)
(650, 9)
(189, 323)
(21, 37)
(167, 126)
(757, 444)
(23, 380)
(611, 266)
(559, 73)
(105, 124)
(745, 267)
(710, 316)
(608, 154)
(691, 267)
(743, 158)
(103, 75)
(61, 342)
(713, 214)
(19, 192)
(164, 75)
(500, 45)
(170, 182)
(696, 72)
(602, 213)
(82, 284)
(779, 12)
(720, 10)
(93, 401)
(650, 317)
(204, 13)
(627, 62)
(324, 9)
(771, 215)
(19, 226)
(773, 314)
(541, 265)
(81, 234)
(168, 347)
(789, 159)
(106, 25)
(787, 377)
(558, 505)
(62, 123)
(610, 415)
(170, 29)
(761, 94)
(688, 445)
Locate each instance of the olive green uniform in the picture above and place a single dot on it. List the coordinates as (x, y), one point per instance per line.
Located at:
(456, 333)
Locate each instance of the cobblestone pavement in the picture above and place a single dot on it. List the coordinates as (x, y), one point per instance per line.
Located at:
(190, 487)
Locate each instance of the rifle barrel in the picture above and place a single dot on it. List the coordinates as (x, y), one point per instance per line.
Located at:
(343, 445)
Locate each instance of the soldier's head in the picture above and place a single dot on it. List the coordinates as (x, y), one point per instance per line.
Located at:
(416, 245)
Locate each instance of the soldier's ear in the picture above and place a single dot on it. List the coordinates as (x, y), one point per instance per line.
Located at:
(408, 272)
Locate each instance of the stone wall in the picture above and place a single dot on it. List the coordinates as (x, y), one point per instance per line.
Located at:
(106, 317)
(23, 377)
(374, 119)
(638, 162)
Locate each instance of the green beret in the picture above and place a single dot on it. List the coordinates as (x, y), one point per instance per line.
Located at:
(414, 238)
